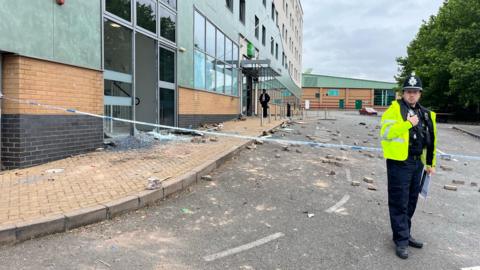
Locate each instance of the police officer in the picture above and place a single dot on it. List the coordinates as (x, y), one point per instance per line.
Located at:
(409, 138)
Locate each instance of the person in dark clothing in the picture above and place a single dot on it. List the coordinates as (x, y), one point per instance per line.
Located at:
(264, 99)
(289, 110)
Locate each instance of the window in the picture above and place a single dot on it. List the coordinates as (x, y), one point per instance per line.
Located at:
(333, 92)
(167, 65)
(228, 80)
(257, 27)
(383, 97)
(220, 77)
(120, 8)
(229, 4)
(199, 38)
(199, 70)
(265, 3)
(272, 42)
(146, 15)
(264, 35)
(235, 55)
(210, 38)
(167, 24)
(220, 46)
(283, 59)
(242, 11)
(276, 17)
(210, 74)
(215, 59)
(276, 51)
(273, 11)
(118, 48)
(171, 3)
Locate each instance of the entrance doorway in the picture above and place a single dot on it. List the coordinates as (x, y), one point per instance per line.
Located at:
(167, 86)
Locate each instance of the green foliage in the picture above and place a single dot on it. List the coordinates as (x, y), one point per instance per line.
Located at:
(446, 55)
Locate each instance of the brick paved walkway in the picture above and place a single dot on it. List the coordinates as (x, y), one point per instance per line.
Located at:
(104, 176)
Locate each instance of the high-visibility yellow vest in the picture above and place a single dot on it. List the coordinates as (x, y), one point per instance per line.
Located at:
(395, 135)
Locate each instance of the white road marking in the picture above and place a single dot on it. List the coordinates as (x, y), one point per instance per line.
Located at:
(338, 204)
(472, 268)
(243, 247)
(349, 176)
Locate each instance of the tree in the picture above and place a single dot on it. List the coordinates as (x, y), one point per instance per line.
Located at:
(446, 55)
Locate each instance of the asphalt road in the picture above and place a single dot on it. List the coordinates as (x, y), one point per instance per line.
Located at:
(274, 209)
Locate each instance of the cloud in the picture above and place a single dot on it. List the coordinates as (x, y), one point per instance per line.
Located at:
(361, 39)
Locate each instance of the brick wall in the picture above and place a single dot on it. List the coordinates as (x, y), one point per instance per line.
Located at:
(29, 140)
(348, 95)
(33, 135)
(50, 83)
(198, 107)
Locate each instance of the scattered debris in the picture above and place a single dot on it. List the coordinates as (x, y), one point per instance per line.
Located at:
(332, 173)
(154, 183)
(251, 147)
(458, 182)
(186, 211)
(286, 149)
(367, 179)
(207, 178)
(259, 142)
(298, 151)
(446, 168)
(277, 156)
(54, 171)
(330, 156)
(370, 155)
(446, 157)
(362, 124)
(355, 183)
(450, 187)
(474, 184)
(196, 139)
(338, 164)
(371, 187)
(100, 149)
(214, 139)
(365, 141)
(104, 263)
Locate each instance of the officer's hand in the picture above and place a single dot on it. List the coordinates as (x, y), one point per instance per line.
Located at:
(413, 120)
(430, 170)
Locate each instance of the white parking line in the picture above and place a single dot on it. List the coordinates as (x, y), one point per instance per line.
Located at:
(243, 247)
(338, 204)
(472, 268)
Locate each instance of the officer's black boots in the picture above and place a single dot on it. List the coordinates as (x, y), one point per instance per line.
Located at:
(414, 243)
(402, 252)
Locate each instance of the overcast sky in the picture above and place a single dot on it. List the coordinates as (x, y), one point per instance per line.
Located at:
(361, 39)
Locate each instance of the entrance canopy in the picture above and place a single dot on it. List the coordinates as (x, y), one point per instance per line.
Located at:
(258, 68)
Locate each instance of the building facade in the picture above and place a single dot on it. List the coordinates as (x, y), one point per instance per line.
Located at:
(167, 62)
(329, 92)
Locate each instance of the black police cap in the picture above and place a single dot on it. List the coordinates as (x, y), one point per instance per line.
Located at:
(413, 82)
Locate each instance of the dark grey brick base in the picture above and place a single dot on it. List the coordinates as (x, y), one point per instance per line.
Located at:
(29, 140)
(195, 120)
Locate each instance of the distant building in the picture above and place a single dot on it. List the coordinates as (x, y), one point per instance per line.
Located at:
(346, 93)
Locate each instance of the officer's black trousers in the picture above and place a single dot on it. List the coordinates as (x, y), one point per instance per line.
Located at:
(404, 179)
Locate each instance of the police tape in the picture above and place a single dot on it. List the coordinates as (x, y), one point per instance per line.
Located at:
(231, 135)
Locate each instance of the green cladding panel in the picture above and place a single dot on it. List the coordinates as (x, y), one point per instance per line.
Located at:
(69, 34)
